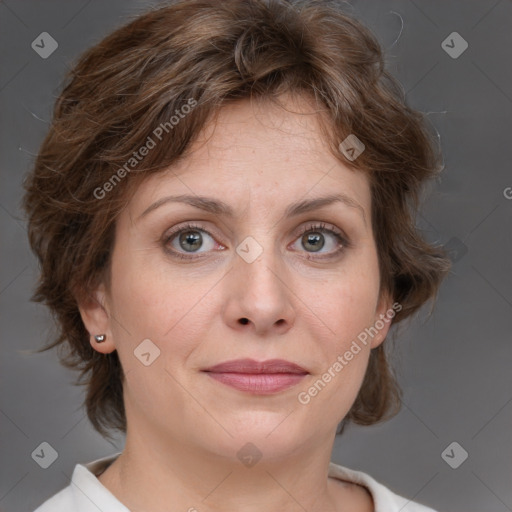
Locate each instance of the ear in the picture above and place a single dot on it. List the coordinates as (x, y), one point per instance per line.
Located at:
(384, 315)
(95, 316)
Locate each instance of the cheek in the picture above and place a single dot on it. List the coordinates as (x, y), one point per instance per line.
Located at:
(150, 301)
(345, 357)
(347, 310)
(355, 312)
(138, 295)
(348, 303)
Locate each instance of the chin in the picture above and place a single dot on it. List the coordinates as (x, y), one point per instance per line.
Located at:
(271, 433)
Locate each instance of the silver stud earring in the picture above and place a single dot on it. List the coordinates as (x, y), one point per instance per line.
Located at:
(100, 338)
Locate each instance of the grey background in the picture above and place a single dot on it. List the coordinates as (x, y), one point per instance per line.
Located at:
(454, 367)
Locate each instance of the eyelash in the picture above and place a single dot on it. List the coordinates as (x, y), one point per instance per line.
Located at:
(321, 227)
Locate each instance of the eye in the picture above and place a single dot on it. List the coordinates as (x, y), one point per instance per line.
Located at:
(313, 238)
(189, 239)
(186, 242)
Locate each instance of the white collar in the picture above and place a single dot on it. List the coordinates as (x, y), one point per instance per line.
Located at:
(88, 490)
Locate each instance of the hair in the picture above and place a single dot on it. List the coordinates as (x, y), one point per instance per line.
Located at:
(205, 54)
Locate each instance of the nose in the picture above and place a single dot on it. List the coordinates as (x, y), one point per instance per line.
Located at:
(259, 296)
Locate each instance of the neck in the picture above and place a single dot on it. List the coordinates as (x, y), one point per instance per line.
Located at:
(150, 476)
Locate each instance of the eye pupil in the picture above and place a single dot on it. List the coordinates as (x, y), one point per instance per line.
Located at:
(314, 239)
(190, 237)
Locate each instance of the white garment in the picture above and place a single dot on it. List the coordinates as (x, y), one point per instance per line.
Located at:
(86, 493)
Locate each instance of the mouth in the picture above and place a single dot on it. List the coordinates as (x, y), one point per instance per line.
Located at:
(263, 378)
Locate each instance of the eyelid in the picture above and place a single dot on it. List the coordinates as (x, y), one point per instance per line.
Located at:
(326, 227)
(188, 225)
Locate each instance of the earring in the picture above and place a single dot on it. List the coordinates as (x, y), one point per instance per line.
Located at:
(100, 338)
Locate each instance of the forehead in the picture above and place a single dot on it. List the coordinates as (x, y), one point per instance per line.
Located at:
(272, 154)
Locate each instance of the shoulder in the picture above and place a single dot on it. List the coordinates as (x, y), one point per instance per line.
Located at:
(384, 499)
(85, 493)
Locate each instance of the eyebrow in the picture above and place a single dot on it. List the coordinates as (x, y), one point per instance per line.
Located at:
(217, 207)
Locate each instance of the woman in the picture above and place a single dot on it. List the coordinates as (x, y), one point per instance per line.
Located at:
(223, 210)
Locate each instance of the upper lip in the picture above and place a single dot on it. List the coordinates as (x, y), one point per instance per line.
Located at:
(252, 366)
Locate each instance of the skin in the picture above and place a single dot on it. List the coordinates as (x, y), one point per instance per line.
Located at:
(184, 428)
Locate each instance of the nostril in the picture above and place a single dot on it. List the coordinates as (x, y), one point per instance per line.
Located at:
(244, 321)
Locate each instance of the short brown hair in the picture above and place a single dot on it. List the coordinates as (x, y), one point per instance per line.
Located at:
(214, 52)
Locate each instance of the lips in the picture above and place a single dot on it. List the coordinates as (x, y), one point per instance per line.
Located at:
(249, 366)
(261, 378)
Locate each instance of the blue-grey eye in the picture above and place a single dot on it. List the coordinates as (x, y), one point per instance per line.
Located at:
(190, 240)
(314, 240)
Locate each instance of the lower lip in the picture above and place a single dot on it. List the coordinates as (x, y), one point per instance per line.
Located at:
(258, 383)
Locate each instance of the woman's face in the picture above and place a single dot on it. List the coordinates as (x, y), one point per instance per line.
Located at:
(305, 298)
